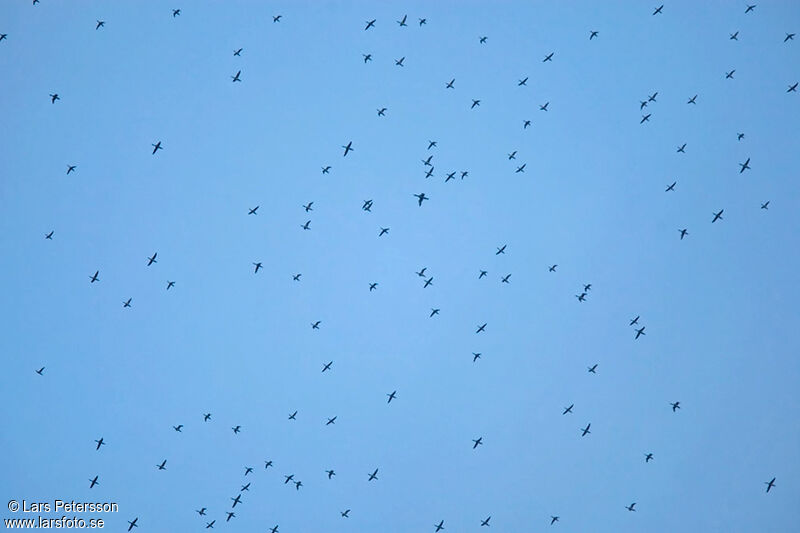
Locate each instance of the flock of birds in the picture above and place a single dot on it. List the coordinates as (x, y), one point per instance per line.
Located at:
(371, 475)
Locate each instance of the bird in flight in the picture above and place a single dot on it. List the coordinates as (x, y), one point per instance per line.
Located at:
(367, 57)
(450, 83)
(675, 406)
(330, 473)
(648, 457)
(770, 484)
(739, 136)
(94, 277)
(327, 366)
(505, 279)
(486, 522)
(423, 21)
(201, 512)
(392, 396)
(765, 205)
(267, 464)
(428, 281)
(402, 22)
(671, 187)
(238, 52)
(99, 442)
(253, 211)
(49, 236)
(132, 523)
(789, 37)
(586, 430)
(100, 24)
(568, 409)
(373, 475)
(544, 107)
(288, 478)
(692, 100)
(170, 284)
(257, 265)
(581, 297)
(345, 513)
(792, 88)
(373, 286)
(522, 82)
(439, 526)
(307, 225)
(308, 207)
(548, 57)
(421, 197)
(482, 40)
(315, 325)
(293, 416)
(331, 421)
(481, 328)
(230, 514)
(734, 36)
(367, 206)
(157, 147)
(501, 250)
(210, 525)
(450, 176)
(326, 170)
(729, 75)
(682, 149)
(482, 274)
(750, 8)
(370, 24)
(151, 260)
(399, 62)
(237, 499)
(348, 148)
(433, 312)
(3, 36)
(421, 273)
(525, 124)
(206, 417)
(475, 103)
(178, 428)
(236, 429)
(296, 277)
(276, 18)
(236, 77)
(70, 169)
(593, 34)
(176, 12)
(163, 465)
(40, 371)
(634, 321)
(53, 98)
(658, 10)
(630, 507)
(477, 442)
(93, 482)
(593, 368)
(521, 168)
(382, 112)
(431, 144)
(645, 118)
(475, 356)
(552, 268)
(717, 216)
(273, 529)
(639, 332)
(684, 233)
(429, 173)
(553, 520)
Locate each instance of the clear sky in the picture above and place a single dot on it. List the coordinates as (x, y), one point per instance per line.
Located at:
(719, 306)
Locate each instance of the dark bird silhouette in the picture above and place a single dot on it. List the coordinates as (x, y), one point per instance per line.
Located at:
(170, 284)
(505, 279)
(54, 97)
(648, 457)
(658, 9)
(750, 8)
(450, 176)
(331, 421)
(433, 312)
(327, 366)
(402, 21)
(792, 88)
(348, 148)
(684, 233)
(639, 332)
(99, 442)
(522, 82)
(70, 169)
(330, 473)
(201, 512)
(482, 274)
(512, 155)
(568, 409)
(293, 416)
(151, 260)
(315, 325)
(501, 250)
(288, 478)
(40, 371)
(156, 147)
(593, 368)
(475, 103)
(423, 21)
(257, 267)
(392, 396)
(630, 507)
(439, 526)
(100, 24)
(734, 36)
(298, 484)
(553, 268)
(230, 514)
(717, 216)
(553, 520)
(765, 205)
(93, 482)
(476, 356)
(49, 236)
(450, 83)
(431, 144)
(296, 277)
(210, 525)
(373, 475)
(634, 321)
(236, 77)
(486, 522)
(421, 197)
(593, 34)
(525, 124)
(671, 187)
(326, 170)
(675, 406)
(421, 273)
(739, 136)
(581, 297)
(729, 75)
(176, 12)
(94, 277)
(3, 36)
(521, 168)
(345, 513)
(308, 207)
(544, 107)
(373, 286)
(253, 211)
(307, 225)
(548, 57)
(692, 100)
(382, 112)
(206, 417)
(399, 62)
(236, 500)
(178, 428)
(682, 149)
(770, 484)
(132, 523)
(645, 118)
(238, 52)
(481, 328)
(276, 18)
(267, 464)
(429, 173)
(789, 37)
(370, 24)
(367, 57)
(482, 40)
(585, 431)
(477, 442)
(163, 465)
(236, 429)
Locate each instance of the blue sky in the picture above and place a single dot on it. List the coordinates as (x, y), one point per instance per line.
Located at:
(719, 306)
